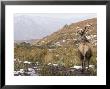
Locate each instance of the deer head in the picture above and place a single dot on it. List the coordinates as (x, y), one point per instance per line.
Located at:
(82, 32)
(85, 30)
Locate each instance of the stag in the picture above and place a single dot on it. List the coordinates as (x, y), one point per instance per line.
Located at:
(84, 48)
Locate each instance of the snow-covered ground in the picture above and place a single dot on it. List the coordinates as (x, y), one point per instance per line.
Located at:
(33, 70)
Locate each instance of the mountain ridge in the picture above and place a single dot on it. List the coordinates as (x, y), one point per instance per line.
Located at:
(67, 35)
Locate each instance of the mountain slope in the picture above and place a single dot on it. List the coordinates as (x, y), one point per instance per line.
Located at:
(68, 34)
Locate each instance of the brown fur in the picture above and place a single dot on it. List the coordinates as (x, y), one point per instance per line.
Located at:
(85, 53)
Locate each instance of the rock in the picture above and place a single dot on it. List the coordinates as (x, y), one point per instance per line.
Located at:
(27, 62)
(55, 64)
(30, 69)
(16, 73)
(92, 66)
(49, 63)
(57, 55)
(21, 71)
(64, 40)
(77, 67)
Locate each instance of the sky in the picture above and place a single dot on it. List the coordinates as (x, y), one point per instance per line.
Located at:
(36, 26)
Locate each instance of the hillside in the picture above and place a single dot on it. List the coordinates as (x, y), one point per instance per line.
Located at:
(67, 35)
(32, 41)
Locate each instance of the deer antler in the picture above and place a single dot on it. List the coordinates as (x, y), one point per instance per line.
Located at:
(83, 31)
(88, 26)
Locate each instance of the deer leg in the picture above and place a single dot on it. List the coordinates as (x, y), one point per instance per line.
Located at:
(82, 66)
(88, 65)
(84, 63)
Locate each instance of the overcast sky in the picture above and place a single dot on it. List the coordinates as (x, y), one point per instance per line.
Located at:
(35, 26)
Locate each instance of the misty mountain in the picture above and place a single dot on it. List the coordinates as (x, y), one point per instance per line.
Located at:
(36, 26)
(27, 27)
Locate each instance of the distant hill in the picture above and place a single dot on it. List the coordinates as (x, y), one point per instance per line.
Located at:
(32, 41)
(67, 35)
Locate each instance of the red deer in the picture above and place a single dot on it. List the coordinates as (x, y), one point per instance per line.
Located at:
(84, 48)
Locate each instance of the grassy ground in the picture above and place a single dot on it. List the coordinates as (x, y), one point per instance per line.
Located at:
(65, 57)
